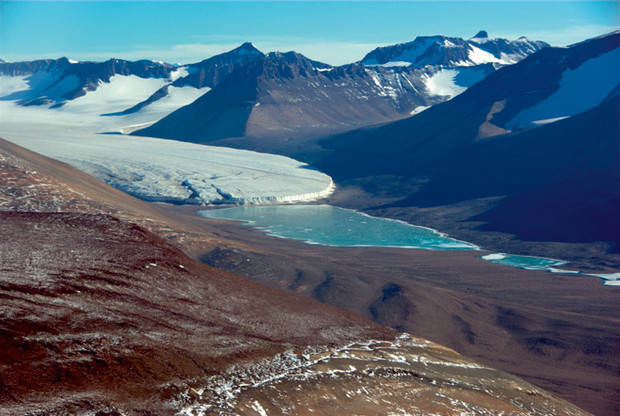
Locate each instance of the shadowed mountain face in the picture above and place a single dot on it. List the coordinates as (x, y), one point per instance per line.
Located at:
(559, 182)
(286, 94)
(204, 74)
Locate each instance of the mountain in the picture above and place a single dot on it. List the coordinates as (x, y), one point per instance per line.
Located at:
(205, 74)
(294, 97)
(287, 96)
(58, 81)
(55, 82)
(211, 71)
(462, 150)
(101, 316)
(454, 52)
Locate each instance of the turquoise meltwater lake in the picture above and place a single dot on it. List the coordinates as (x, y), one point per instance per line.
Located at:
(338, 227)
(332, 226)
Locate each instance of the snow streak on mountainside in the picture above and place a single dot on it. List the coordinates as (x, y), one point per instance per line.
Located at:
(580, 88)
(453, 64)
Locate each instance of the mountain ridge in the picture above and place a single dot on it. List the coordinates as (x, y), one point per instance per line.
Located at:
(453, 51)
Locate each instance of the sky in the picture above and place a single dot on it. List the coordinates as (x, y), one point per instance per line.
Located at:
(335, 32)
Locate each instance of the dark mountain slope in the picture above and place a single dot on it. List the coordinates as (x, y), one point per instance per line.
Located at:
(222, 112)
(552, 167)
(296, 98)
(408, 147)
(288, 95)
(578, 201)
(561, 181)
(413, 145)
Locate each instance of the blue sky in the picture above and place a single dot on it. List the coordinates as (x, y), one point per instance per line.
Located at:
(335, 32)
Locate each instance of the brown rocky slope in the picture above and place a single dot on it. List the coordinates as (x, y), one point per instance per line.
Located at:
(100, 316)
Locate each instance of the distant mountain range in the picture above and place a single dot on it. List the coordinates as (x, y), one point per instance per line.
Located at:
(286, 95)
(283, 95)
(57, 81)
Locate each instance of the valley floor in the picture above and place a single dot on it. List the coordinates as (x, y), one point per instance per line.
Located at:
(557, 331)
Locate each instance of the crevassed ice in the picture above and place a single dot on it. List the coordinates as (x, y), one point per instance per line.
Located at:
(153, 169)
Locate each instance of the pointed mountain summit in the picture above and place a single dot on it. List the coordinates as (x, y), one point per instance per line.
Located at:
(211, 71)
(202, 75)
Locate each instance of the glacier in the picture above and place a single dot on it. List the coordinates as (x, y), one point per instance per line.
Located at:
(148, 168)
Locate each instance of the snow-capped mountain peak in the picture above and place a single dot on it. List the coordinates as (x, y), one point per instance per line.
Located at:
(453, 52)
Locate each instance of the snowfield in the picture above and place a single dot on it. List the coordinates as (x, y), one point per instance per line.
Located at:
(152, 169)
(452, 82)
(580, 89)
